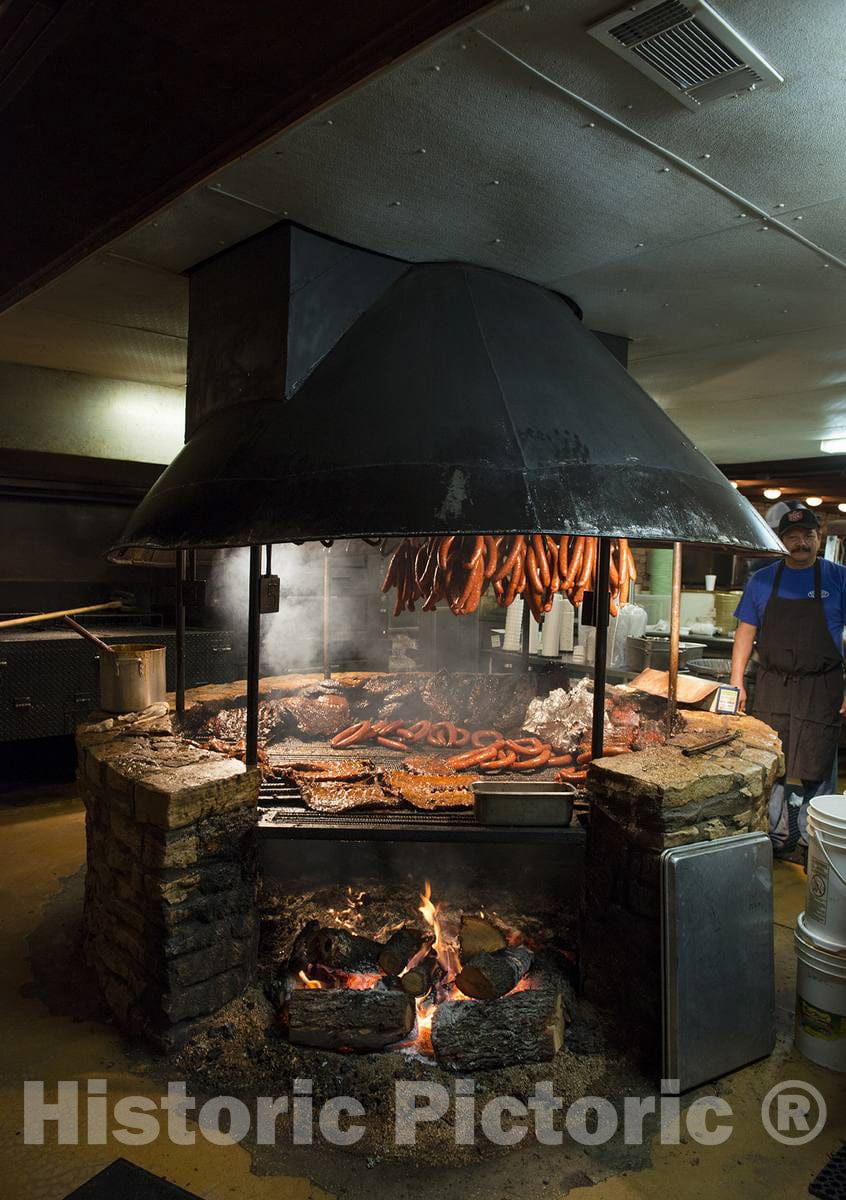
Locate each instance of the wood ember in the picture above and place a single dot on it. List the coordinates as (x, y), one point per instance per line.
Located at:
(524, 1028)
(490, 975)
(477, 936)
(399, 949)
(343, 1018)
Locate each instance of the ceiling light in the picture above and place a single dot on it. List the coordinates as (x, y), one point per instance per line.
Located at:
(772, 493)
(835, 444)
(842, 507)
(813, 501)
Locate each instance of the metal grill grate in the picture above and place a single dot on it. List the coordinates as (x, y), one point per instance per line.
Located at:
(282, 813)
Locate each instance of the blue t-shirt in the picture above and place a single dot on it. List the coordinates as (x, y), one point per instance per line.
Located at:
(798, 585)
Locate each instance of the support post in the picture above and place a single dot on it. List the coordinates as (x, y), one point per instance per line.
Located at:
(327, 669)
(180, 634)
(675, 623)
(601, 603)
(524, 635)
(253, 645)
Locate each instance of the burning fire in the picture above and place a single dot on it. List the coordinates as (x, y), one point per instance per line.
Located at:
(445, 952)
(443, 943)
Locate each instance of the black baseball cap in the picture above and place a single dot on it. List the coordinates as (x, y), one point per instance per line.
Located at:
(799, 517)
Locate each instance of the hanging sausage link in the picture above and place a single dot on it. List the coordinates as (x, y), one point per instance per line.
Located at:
(458, 569)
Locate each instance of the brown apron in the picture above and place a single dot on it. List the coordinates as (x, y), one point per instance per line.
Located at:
(799, 688)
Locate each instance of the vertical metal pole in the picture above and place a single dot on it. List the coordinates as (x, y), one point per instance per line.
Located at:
(601, 599)
(180, 634)
(191, 573)
(253, 644)
(524, 635)
(327, 670)
(675, 623)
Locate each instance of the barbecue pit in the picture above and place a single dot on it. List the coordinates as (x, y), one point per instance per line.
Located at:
(335, 394)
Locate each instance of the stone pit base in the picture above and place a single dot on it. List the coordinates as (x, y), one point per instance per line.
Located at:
(643, 804)
(170, 920)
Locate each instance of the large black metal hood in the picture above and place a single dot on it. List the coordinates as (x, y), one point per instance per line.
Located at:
(415, 399)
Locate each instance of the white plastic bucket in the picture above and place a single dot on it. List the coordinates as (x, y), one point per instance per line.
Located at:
(825, 900)
(820, 1001)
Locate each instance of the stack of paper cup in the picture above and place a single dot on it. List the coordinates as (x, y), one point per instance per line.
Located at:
(568, 622)
(534, 636)
(513, 624)
(551, 636)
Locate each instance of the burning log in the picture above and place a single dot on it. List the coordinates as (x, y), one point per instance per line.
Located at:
(399, 949)
(528, 1027)
(345, 951)
(489, 975)
(478, 936)
(418, 980)
(342, 1017)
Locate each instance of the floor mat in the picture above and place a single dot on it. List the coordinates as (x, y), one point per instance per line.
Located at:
(123, 1179)
(830, 1184)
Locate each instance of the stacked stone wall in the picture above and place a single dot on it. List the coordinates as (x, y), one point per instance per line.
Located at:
(170, 919)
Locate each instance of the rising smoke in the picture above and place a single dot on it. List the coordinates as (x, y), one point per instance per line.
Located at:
(292, 639)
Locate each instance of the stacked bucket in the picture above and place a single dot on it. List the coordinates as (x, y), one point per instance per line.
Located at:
(820, 938)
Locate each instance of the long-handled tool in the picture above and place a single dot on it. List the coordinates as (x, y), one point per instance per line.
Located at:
(34, 618)
(102, 646)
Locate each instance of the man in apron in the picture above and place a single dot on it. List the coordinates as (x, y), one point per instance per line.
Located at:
(794, 612)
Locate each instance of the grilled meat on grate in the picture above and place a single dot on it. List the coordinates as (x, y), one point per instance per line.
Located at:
(479, 701)
(338, 797)
(348, 770)
(232, 722)
(321, 716)
(430, 792)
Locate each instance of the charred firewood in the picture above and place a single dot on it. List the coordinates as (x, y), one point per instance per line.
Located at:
(345, 951)
(490, 975)
(528, 1027)
(345, 1018)
(305, 948)
(478, 936)
(419, 979)
(399, 949)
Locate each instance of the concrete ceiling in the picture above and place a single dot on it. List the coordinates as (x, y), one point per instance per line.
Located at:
(460, 152)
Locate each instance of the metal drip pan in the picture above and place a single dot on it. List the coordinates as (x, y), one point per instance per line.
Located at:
(528, 802)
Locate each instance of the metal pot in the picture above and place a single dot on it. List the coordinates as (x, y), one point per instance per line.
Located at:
(132, 678)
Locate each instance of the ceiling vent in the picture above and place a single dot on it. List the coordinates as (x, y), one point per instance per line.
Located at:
(686, 48)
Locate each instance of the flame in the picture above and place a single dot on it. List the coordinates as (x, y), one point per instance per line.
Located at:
(446, 954)
(442, 941)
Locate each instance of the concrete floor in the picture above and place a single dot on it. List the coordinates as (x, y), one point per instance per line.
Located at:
(42, 843)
